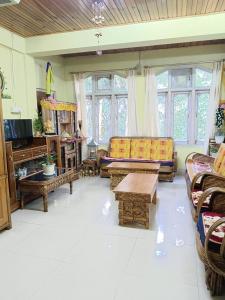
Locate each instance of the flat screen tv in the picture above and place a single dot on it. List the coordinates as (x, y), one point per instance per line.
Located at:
(18, 129)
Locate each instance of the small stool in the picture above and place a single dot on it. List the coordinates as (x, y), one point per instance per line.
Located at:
(89, 167)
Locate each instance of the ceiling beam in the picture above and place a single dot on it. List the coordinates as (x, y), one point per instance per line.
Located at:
(181, 30)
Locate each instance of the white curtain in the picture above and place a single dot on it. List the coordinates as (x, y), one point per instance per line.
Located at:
(132, 124)
(213, 101)
(151, 116)
(81, 105)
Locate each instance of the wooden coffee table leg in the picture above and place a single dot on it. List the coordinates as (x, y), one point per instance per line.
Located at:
(71, 187)
(45, 202)
(154, 199)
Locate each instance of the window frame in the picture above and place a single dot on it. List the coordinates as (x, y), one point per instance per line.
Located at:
(94, 96)
(192, 133)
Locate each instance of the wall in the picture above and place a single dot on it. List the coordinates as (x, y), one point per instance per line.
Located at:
(59, 85)
(19, 72)
(189, 55)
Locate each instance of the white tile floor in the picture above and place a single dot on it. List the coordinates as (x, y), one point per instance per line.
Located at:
(78, 251)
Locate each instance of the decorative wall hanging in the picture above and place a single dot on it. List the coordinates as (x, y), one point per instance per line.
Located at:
(3, 87)
(49, 79)
(58, 105)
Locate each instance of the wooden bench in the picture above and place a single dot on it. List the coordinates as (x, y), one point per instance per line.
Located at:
(135, 193)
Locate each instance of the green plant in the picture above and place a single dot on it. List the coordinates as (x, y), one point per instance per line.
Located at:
(219, 118)
(49, 159)
(38, 124)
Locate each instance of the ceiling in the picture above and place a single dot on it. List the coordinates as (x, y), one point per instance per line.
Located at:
(38, 17)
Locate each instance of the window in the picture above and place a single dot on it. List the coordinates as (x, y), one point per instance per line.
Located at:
(106, 106)
(183, 97)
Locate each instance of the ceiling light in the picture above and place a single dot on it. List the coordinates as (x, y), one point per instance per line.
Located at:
(99, 52)
(97, 8)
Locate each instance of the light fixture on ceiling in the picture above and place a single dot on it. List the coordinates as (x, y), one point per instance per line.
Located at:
(138, 66)
(97, 7)
(98, 51)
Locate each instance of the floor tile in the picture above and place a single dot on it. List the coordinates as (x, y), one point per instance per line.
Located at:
(78, 251)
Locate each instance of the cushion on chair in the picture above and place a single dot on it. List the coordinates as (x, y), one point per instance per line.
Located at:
(120, 148)
(195, 195)
(140, 148)
(161, 149)
(163, 163)
(219, 159)
(205, 220)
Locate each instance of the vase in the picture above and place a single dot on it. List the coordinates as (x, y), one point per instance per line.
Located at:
(49, 170)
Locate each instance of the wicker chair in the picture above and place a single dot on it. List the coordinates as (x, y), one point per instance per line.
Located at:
(206, 193)
(212, 199)
(193, 180)
(212, 255)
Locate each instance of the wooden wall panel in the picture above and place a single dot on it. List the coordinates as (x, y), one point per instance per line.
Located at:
(36, 17)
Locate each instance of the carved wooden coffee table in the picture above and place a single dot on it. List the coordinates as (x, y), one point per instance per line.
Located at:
(119, 170)
(41, 184)
(135, 193)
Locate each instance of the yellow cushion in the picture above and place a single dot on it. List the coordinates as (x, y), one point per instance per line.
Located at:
(140, 148)
(161, 149)
(218, 162)
(120, 148)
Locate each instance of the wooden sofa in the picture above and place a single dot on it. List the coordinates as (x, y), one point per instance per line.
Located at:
(210, 240)
(203, 171)
(140, 149)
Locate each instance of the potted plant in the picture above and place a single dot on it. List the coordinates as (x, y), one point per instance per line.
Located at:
(48, 165)
(38, 126)
(219, 134)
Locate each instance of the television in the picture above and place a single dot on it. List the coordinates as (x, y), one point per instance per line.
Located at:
(18, 129)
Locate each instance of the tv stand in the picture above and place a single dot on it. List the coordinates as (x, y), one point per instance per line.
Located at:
(34, 150)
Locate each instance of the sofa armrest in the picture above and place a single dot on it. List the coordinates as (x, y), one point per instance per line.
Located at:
(199, 157)
(198, 176)
(212, 180)
(100, 154)
(205, 194)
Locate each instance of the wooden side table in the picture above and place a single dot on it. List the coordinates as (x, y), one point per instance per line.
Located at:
(89, 167)
(42, 185)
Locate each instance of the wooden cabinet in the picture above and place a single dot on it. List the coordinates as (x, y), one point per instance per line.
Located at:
(63, 117)
(30, 158)
(4, 207)
(5, 219)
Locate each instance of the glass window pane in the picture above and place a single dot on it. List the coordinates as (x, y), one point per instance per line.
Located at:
(162, 113)
(103, 83)
(202, 78)
(120, 83)
(163, 80)
(181, 78)
(89, 118)
(122, 115)
(104, 119)
(180, 126)
(202, 110)
(88, 84)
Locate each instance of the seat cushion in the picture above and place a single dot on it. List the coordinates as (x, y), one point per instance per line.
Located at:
(163, 163)
(140, 148)
(161, 149)
(120, 148)
(205, 220)
(195, 195)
